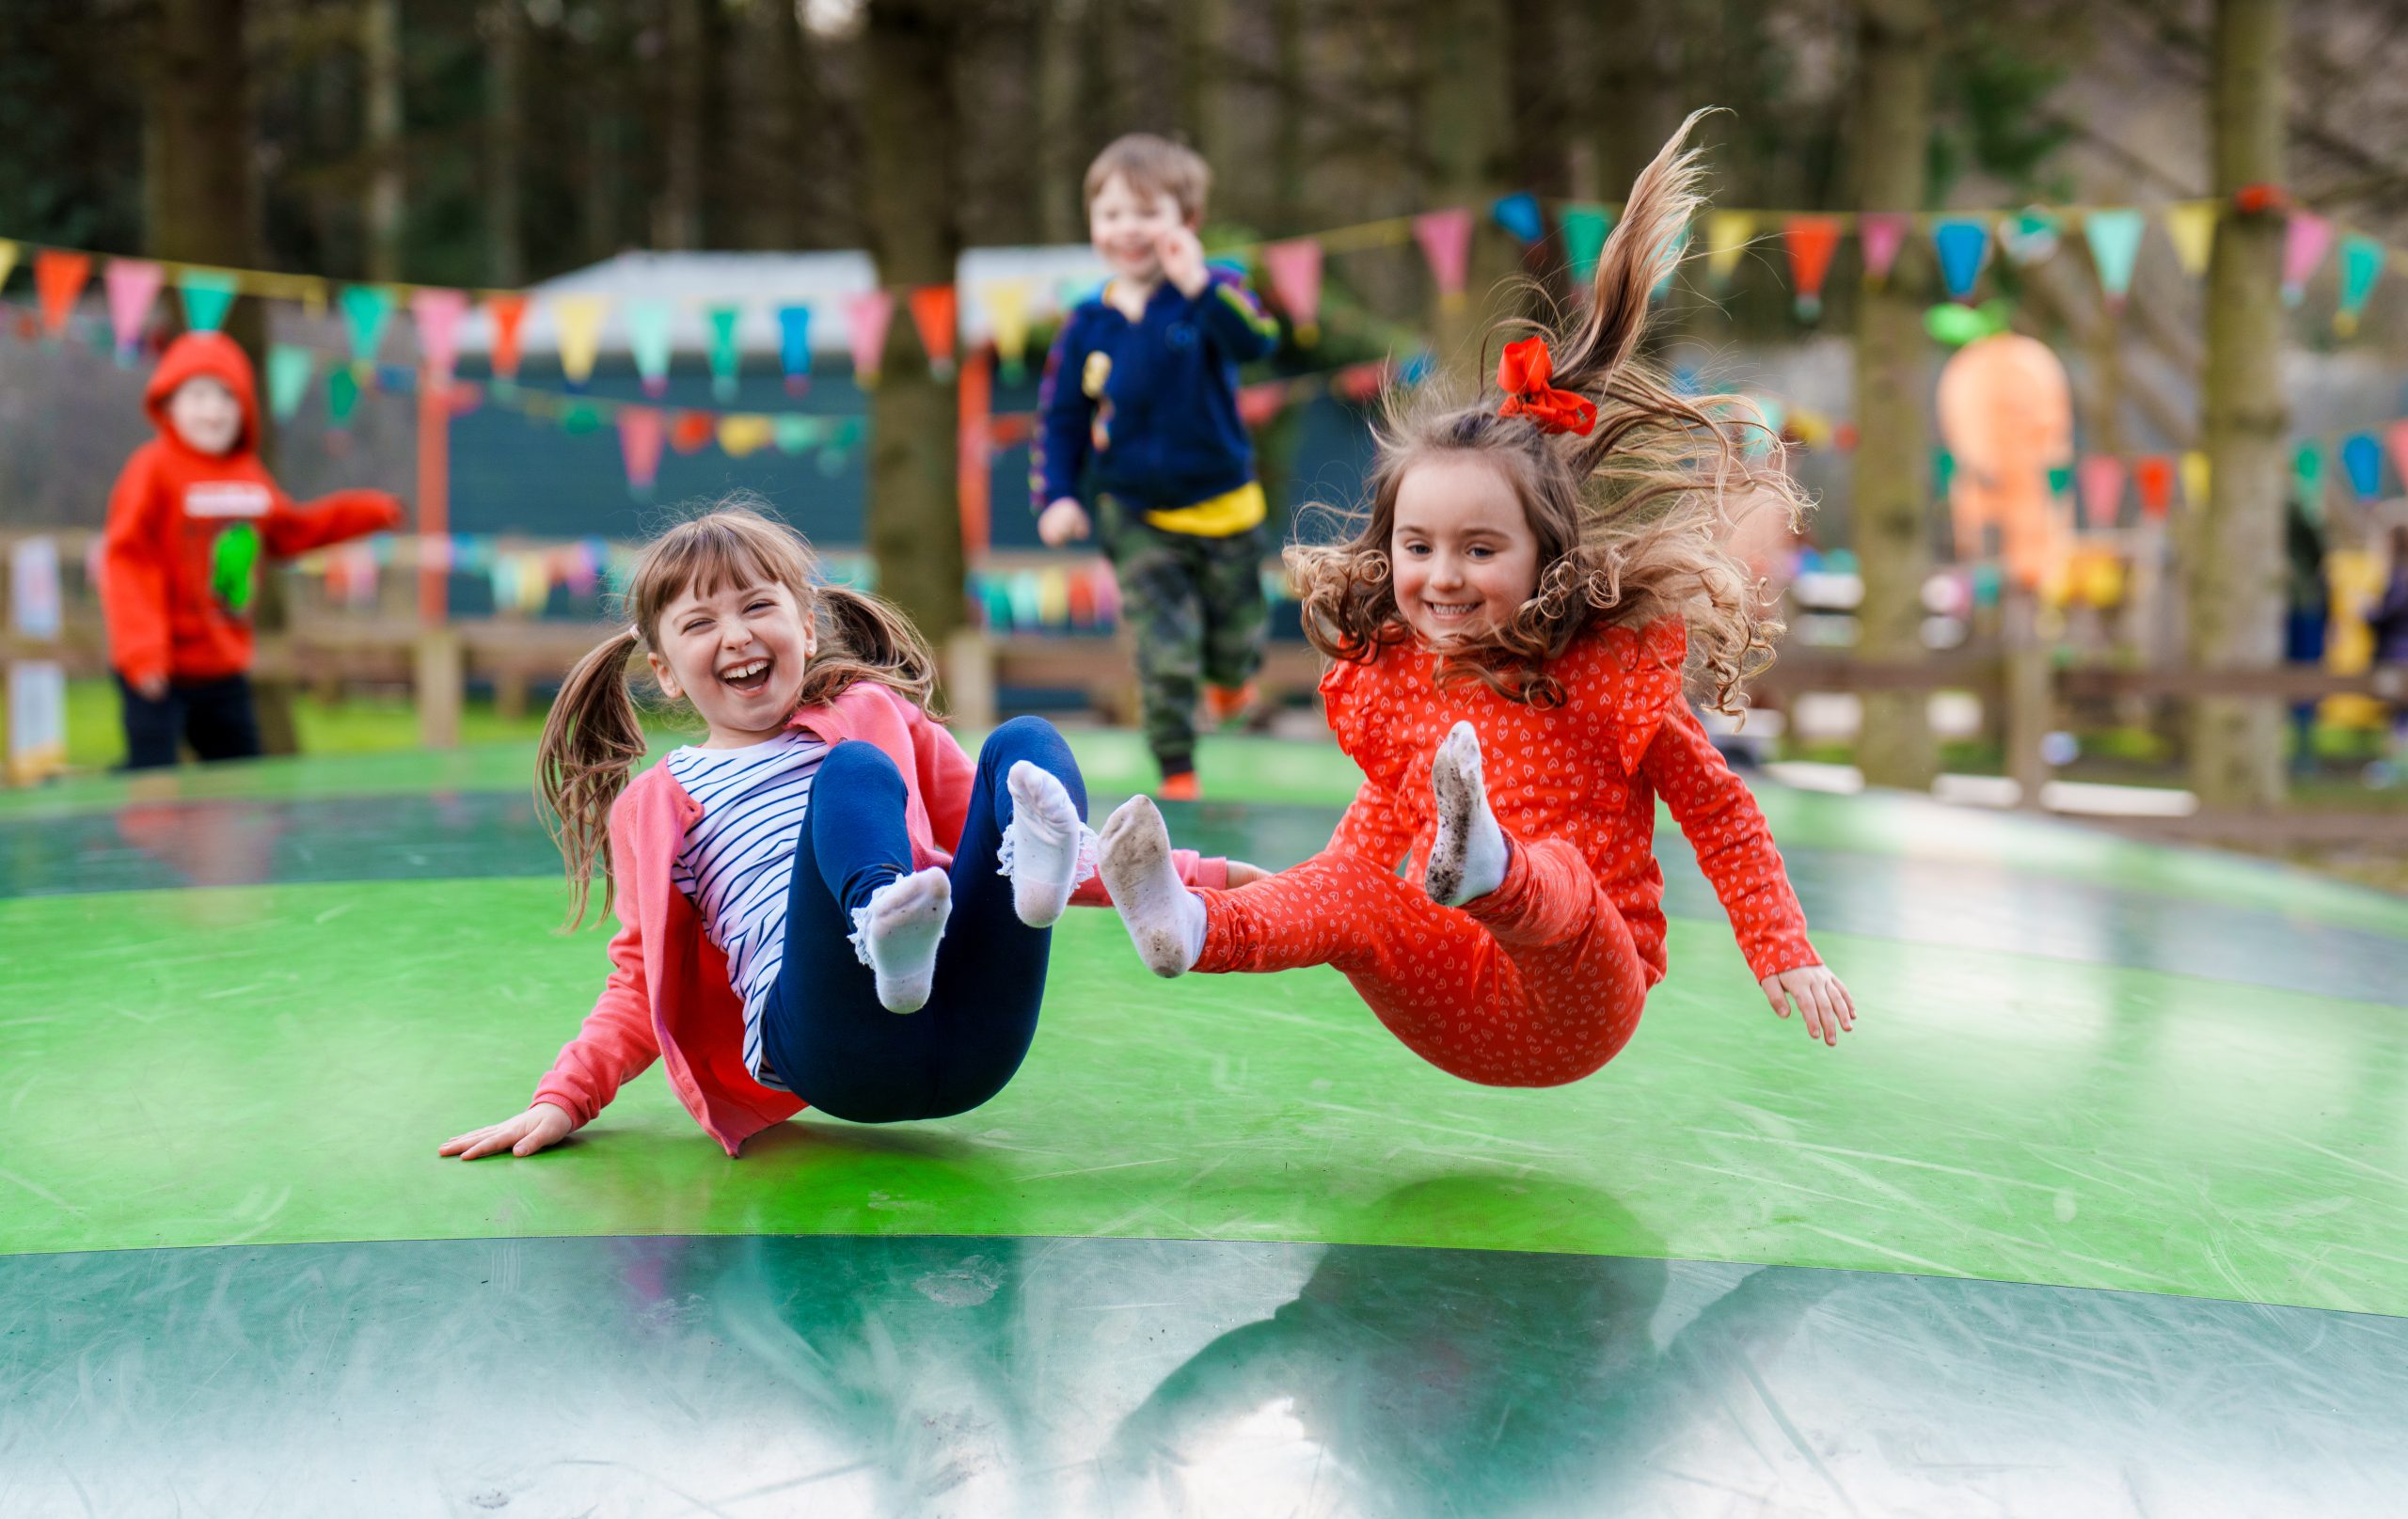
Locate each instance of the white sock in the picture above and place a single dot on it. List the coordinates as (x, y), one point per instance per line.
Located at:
(1467, 860)
(1047, 850)
(896, 933)
(1165, 920)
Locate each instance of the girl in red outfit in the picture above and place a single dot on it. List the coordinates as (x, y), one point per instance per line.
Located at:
(1511, 630)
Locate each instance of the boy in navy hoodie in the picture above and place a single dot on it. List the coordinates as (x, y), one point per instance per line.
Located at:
(1142, 386)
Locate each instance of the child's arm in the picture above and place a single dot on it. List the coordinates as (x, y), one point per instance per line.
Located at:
(292, 528)
(1234, 319)
(134, 581)
(1058, 452)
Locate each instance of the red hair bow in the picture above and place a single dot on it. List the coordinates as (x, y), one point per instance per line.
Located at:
(1522, 373)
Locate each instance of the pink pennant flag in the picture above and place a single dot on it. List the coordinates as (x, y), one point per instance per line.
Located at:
(132, 285)
(437, 313)
(1882, 234)
(640, 440)
(1295, 276)
(1445, 237)
(2101, 480)
(2304, 241)
(866, 316)
(2395, 438)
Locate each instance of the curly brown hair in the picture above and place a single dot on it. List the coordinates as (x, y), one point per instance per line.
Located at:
(1633, 520)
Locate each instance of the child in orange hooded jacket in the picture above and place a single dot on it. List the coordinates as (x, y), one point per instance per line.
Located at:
(192, 511)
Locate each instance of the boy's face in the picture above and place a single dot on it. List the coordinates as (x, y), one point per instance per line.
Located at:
(1127, 228)
(205, 414)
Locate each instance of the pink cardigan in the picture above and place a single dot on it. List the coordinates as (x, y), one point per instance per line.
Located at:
(668, 995)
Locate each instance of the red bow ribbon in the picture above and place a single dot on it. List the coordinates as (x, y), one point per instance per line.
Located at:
(1522, 373)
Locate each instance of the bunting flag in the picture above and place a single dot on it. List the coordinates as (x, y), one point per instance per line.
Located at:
(2308, 473)
(288, 379)
(2153, 477)
(132, 285)
(691, 431)
(1445, 237)
(2395, 438)
(2192, 225)
(1007, 302)
(1883, 234)
(1811, 242)
(639, 442)
(936, 314)
(796, 432)
(2060, 478)
(366, 311)
(648, 343)
(59, 279)
(579, 418)
(579, 320)
(2101, 486)
(342, 396)
(1727, 234)
(437, 314)
(1964, 246)
(208, 296)
(1585, 225)
(2029, 236)
(794, 347)
(2361, 265)
(508, 312)
(868, 316)
(745, 433)
(2115, 239)
(1520, 214)
(7, 260)
(726, 364)
(2362, 461)
(2304, 239)
(1295, 267)
(2196, 478)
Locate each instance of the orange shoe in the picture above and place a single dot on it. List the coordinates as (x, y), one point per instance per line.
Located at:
(1181, 787)
(1222, 704)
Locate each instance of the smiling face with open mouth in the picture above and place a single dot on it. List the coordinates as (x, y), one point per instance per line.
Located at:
(737, 653)
(1462, 553)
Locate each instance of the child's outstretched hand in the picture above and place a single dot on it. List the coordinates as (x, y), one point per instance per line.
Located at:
(1182, 256)
(1062, 521)
(540, 1127)
(1826, 1004)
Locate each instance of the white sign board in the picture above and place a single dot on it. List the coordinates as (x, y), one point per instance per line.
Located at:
(37, 719)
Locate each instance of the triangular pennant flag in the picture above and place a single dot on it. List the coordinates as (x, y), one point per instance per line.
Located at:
(2192, 225)
(648, 343)
(437, 314)
(1295, 267)
(1445, 237)
(2115, 238)
(936, 314)
(743, 433)
(1006, 302)
(1882, 234)
(2305, 239)
(1964, 246)
(1811, 241)
(579, 418)
(366, 310)
(2028, 236)
(1726, 238)
(508, 312)
(691, 431)
(1520, 215)
(797, 432)
(60, 277)
(2153, 477)
(868, 316)
(2196, 478)
(2308, 471)
(7, 260)
(2060, 478)
(1943, 472)
(2396, 438)
(726, 363)
(2362, 460)
(208, 295)
(794, 347)
(2361, 263)
(132, 285)
(1585, 227)
(2100, 480)
(578, 319)
(640, 441)
(288, 379)
(343, 395)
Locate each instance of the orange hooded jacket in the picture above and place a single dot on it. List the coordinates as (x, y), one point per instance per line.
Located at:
(169, 506)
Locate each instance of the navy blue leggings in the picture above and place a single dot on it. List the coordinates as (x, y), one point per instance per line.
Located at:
(824, 1031)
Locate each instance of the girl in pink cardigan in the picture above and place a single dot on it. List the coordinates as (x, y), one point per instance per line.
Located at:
(826, 859)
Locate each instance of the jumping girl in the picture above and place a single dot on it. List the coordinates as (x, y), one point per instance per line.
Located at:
(826, 858)
(1512, 631)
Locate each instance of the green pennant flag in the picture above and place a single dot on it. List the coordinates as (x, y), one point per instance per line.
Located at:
(724, 356)
(579, 418)
(1585, 227)
(796, 432)
(288, 379)
(2060, 478)
(366, 311)
(2361, 262)
(342, 396)
(1943, 471)
(208, 295)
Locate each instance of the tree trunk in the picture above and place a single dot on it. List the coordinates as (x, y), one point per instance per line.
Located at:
(912, 192)
(504, 29)
(1464, 131)
(1891, 499)
(2233, 561)
(380, 61)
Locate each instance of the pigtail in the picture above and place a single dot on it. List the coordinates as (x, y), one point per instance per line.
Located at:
(862, 636)
(592, 739)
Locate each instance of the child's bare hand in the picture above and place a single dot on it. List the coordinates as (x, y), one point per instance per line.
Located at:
(1061, 522)
(151, 688)
(1242, 873)
(1828, 1009)
(1182, 257)
(540, 1127)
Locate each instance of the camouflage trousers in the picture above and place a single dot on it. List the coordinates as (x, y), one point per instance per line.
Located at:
(1196, 608)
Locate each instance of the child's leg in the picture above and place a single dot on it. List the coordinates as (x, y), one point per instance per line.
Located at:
(221, 720)
(1237, 619)
(151, 727)
(1160, 603)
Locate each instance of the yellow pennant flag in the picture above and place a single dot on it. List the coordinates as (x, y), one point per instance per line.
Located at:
(2192, 224)
(1726, 237)
(2194, 479)
(745, 433)
(578, 320)
(7, 258)
(1007, 302)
